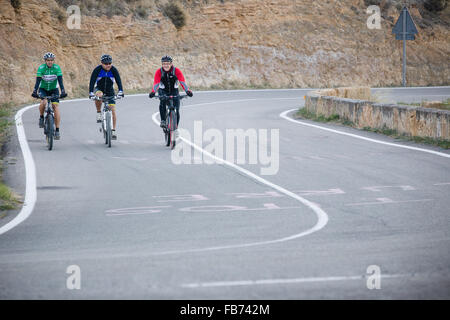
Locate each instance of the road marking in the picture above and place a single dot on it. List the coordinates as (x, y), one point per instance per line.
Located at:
(319, 192)
(284, 116)
(30, 174)
(386, 201)
(181, 198)
(130, 159)
(322, 217)
(232, 208)
(267, 194)
(441, 184)
(283, 281)
(137, 210)
(378, 188)
(316, 158)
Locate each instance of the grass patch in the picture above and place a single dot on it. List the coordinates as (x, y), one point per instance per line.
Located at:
(8, 200)
(386, 131)
(442, 105)
(5, 122)
(416, 104)
(445, 144)
(303, 113)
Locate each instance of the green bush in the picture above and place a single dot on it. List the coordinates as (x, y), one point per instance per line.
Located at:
(141, 12)
(175, 14)
(59, 14)
(435, 5)
(16, 4)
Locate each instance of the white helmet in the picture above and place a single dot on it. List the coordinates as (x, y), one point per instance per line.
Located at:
(49, 55)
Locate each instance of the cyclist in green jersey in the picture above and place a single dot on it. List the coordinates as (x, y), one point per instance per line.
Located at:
(48, 77)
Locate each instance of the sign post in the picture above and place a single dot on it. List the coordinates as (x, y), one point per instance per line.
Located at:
(404, 29)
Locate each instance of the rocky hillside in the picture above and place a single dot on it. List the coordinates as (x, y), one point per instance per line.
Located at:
(226, 44)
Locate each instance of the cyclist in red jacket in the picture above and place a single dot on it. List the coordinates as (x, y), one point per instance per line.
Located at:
(167, 80)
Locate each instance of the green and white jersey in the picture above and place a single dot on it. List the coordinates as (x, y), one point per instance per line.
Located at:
(49, 76)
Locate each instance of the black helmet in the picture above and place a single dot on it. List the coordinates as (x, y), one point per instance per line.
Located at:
(166, 58)
(106, 58)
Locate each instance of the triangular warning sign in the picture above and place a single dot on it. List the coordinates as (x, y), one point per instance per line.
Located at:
(406, 26)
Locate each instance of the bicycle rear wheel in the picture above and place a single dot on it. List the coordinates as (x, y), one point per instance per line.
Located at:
(49, 128)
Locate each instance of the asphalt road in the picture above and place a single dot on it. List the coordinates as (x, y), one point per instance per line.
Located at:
(138, 225)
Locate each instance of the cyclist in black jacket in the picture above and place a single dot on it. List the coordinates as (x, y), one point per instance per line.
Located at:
(102, 83)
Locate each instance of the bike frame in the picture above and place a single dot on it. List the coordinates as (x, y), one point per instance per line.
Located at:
(171, 119)
(106, 118)
(49, 120)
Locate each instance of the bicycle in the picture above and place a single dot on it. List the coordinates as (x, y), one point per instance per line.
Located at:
(106, 127)
(49, 120)
(171, 119)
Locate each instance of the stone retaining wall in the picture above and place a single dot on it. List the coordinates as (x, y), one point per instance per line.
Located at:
(411, 121)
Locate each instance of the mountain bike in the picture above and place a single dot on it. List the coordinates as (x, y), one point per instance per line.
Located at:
(49, 120)
(106, 126)
(171, 119)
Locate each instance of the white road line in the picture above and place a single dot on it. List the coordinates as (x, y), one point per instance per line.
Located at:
(284, 116)
(441, 184)
(411, 88)
(322, 217)
(30, 174)
(239, 100)
(30, 168)
(296, 89)
(282, 281)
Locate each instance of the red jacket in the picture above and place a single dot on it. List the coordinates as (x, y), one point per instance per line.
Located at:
(159, 82)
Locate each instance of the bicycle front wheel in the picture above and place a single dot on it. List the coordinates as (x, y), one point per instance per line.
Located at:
(167, 131)
(108, 130)
(173, 120)
(50, 131)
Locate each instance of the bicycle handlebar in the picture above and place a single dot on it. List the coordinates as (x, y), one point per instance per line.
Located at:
(106, 98)
(167, 97)
(55, 96)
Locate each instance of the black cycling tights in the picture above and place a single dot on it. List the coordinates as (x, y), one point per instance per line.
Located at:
(162, 110)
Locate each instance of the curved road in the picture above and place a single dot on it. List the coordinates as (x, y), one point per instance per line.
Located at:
(332, 212)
